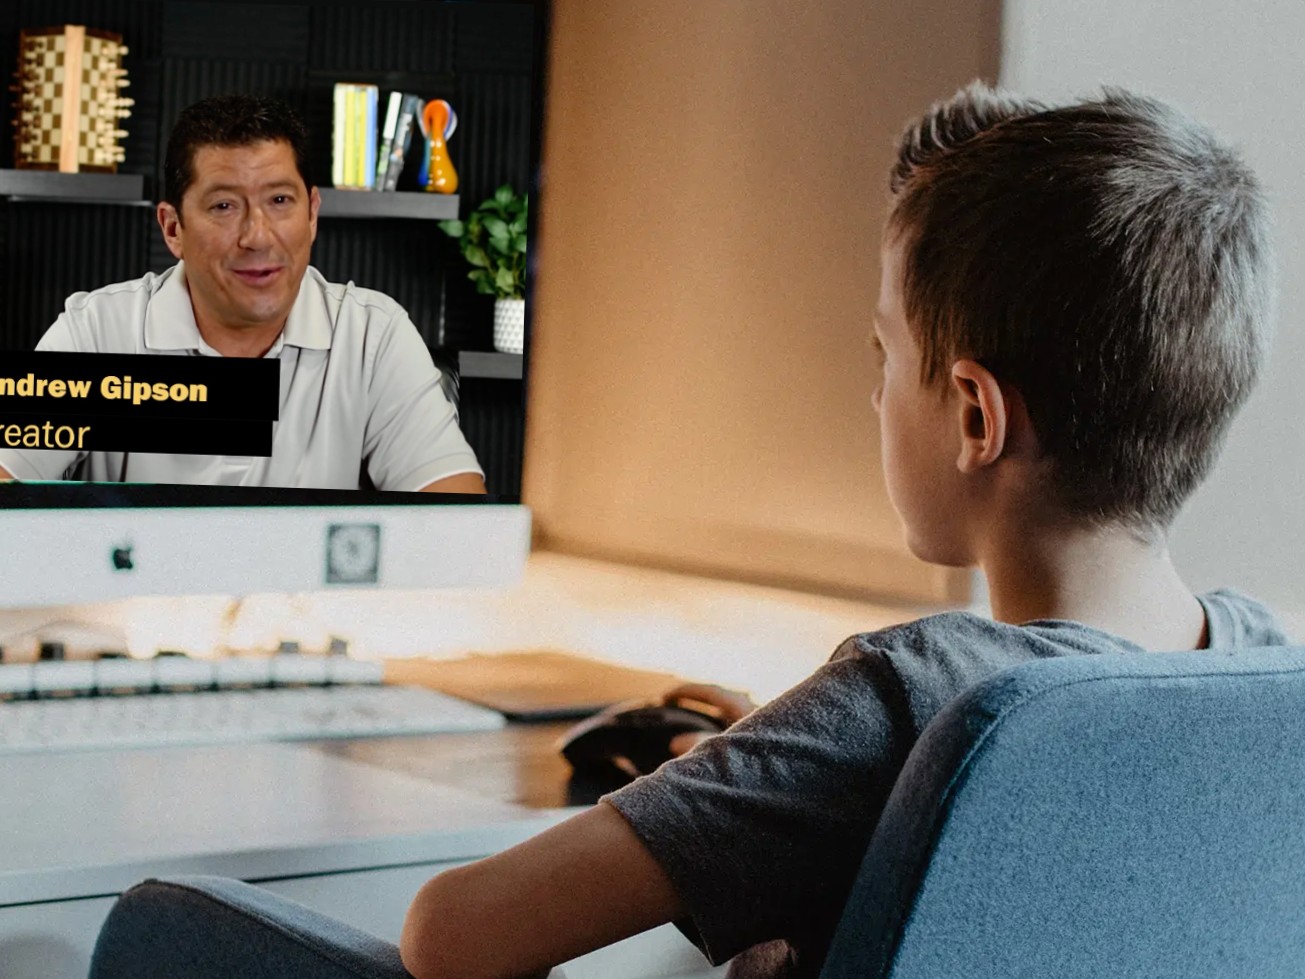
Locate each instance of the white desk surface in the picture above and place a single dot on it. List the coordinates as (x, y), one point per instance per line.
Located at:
(85, 824)
(90, 823)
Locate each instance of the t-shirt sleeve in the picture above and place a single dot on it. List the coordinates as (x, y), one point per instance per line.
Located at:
(44, 463)
(412, 436)
(761, 829)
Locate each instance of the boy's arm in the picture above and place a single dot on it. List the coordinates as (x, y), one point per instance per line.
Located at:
(581, 885)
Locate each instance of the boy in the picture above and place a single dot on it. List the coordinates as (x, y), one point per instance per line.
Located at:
(1074, 304)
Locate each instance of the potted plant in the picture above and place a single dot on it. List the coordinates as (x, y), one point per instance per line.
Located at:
(493, 241)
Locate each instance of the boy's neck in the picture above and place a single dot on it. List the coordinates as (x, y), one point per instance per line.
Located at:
(1106, 579)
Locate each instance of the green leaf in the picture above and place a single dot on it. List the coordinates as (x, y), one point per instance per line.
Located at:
(518, 225)
(506, 281)
(496, 228)
(500, 246)
(476, 256)
(453, 229)
(504, 195)
(519, 244)
(485, 288)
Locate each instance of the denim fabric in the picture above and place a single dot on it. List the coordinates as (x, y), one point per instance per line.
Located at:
(214, 928)
(1129, 816)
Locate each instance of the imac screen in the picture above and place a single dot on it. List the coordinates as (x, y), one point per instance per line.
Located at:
(269, 246)
(267, 283)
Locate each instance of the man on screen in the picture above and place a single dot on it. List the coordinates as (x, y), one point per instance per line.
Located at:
(360, 399)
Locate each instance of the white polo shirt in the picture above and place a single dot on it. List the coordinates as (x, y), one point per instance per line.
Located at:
(358, 391)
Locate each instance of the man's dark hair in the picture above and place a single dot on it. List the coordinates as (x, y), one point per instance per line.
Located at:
(229, 120)
(1109, 259)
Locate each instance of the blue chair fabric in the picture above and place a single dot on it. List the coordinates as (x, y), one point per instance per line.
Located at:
(1100, 816)
(202, 927)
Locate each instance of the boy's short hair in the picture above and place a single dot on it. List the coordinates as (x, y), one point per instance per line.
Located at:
(229, 120)
(1109, 259)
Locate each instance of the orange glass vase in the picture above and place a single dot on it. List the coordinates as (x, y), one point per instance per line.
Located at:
(437, 122)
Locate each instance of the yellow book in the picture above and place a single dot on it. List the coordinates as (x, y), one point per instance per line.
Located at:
(351, 137)
(339, 114)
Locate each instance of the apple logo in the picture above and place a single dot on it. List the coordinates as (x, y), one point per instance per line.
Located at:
(122, 558)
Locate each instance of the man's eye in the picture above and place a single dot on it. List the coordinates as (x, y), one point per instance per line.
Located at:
(281, 199)
(221, 206)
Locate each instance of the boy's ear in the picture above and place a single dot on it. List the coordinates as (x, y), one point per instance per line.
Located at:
(984, 415)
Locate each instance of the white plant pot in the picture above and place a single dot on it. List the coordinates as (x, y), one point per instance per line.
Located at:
(510, 325)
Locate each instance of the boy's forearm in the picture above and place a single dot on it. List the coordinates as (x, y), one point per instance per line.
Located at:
(581, 885)
(436, 943)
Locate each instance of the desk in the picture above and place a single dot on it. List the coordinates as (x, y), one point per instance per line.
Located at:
(450, 798)
(370, 821)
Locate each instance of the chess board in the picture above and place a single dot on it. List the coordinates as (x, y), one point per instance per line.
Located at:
(68, 104)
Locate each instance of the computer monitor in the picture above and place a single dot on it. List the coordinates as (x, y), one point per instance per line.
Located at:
(70, 544)
(89, 539)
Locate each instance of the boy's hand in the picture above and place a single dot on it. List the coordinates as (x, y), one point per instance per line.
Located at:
(731, 705)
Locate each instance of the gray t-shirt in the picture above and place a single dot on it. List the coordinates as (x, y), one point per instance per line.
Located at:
(761, 829)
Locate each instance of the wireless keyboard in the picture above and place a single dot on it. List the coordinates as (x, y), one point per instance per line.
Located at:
(139, 720)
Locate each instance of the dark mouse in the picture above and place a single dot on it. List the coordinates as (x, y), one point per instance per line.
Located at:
(630, 739)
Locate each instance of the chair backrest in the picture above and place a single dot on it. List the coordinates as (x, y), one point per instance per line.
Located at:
(1096, 816)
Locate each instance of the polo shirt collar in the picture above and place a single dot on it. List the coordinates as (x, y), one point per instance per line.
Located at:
(170, 319)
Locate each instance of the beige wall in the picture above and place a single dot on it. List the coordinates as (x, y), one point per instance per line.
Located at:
(699, 392)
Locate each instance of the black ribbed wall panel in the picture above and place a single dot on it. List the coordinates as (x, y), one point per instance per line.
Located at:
(492, 144)
(54, 250)
(491, 413)
(226, 31)
(187, 80)
(415, 38)
(493, 37)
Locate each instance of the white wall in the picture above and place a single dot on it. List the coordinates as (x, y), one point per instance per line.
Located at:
(1237, 68)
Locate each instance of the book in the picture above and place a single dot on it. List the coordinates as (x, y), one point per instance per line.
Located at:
(351, 136)
(387, 137)
(339, 99)
(408, 109)
(367, 125)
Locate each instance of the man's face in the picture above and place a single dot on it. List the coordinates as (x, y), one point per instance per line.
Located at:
(919, 432)
(246, 228)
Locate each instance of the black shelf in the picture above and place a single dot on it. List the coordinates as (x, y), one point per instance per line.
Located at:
(339, 203)
(76, 188)
(128, 189)
(490, 364)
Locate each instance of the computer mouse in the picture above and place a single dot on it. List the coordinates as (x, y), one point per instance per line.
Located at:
(631, 738)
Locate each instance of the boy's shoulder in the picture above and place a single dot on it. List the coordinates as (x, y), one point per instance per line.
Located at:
(938, 657)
